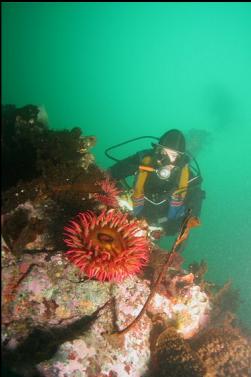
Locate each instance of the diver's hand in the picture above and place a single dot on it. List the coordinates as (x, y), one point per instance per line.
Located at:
(155, 233)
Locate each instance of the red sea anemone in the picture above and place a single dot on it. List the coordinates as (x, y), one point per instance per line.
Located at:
(107, 246)
(109, 193)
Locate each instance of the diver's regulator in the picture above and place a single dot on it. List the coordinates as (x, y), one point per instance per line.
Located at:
(164, 172)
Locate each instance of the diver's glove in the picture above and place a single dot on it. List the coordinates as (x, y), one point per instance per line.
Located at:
(156, 232)
(176, 209)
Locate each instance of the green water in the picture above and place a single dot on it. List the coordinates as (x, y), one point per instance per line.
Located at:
(122, 70)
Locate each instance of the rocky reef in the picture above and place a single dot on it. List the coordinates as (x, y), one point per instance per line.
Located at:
(77, 269)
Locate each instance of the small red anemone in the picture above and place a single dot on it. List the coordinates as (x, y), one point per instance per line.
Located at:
(109, 193)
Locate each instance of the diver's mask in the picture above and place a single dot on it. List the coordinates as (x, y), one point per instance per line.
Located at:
(165, 154)
(167, 160)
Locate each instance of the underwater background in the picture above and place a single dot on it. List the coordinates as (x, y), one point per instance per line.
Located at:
(124, 70)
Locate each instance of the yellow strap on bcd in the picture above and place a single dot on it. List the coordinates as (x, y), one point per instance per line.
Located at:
(183, 183)
(145, 169)
(139, 186)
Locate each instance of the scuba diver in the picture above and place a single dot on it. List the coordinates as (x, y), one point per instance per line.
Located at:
(166, 183)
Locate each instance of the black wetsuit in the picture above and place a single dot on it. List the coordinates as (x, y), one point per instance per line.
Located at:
(158, 192)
